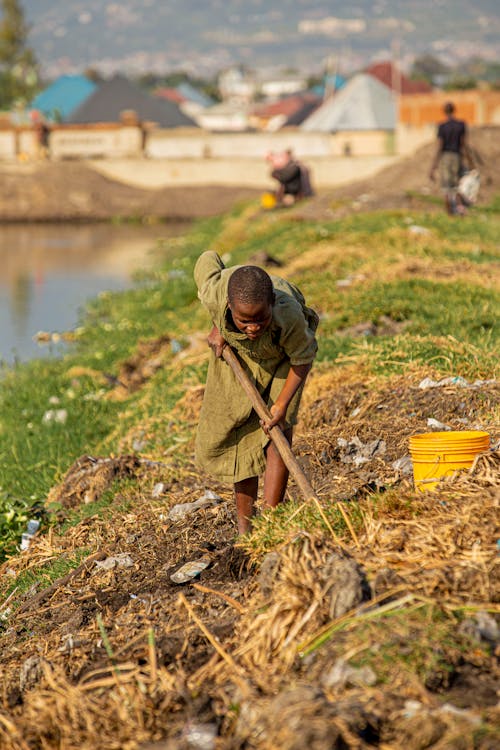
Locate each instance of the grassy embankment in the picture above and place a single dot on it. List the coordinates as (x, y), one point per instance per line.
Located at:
(438, 292)
(441, 282)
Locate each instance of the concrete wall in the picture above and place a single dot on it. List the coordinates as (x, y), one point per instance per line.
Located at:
(91, 142)
(204, 145)
(409, 138)
(155, 173)
(7, 144)
(116, 141)
(184, 157)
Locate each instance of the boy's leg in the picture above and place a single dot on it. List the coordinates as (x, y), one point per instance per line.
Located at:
(276, 475)
(245, 494)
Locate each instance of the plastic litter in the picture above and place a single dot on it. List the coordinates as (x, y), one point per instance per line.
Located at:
(55, 415)
(31, 529)
(357, 453)
(122, 560)
(403, 465)
(462, 713)
(437, 425)
(457, 380)
(200, 736)
(175, 346)
(418, 230)
(190, 570)
(342, 674)
(158, 490)
(184, 509)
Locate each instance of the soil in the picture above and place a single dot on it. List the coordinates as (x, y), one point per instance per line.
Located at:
(72, 191)
(220, 639)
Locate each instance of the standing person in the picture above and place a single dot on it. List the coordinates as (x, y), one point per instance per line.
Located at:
(265, 319)
(42, 132)
(451, 151)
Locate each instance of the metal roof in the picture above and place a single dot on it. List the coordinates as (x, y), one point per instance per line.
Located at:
(363, 104)
(118, 95)
(63, 96)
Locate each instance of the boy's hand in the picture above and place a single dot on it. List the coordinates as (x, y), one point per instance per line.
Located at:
(216, 342)
(278, 415)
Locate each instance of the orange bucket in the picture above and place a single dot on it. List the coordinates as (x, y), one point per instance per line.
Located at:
(436, 455)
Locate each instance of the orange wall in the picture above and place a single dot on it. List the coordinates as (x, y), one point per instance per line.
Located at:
(476, 107)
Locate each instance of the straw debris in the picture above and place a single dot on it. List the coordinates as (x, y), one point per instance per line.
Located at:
(406, 588)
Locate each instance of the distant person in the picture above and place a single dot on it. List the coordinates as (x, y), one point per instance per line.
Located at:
(292, 176)
(451, 152)
(42, 131)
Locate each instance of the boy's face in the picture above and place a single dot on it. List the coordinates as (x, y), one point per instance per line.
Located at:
(250, 318)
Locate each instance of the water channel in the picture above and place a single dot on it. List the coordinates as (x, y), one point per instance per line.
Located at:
(49, 271)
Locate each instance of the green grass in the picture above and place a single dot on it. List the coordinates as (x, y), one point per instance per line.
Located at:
(43, 576)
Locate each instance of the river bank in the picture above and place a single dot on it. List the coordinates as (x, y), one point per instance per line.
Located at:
(367, 620)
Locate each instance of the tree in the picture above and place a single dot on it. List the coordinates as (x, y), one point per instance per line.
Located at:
(18, 67)
(428, 68)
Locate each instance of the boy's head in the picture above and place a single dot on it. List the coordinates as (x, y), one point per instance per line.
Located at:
(250, 299)
(449, 109)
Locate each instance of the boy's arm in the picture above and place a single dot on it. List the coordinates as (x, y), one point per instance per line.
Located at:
(295, 378)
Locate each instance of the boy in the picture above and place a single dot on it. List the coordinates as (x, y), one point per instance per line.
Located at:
(266, 320)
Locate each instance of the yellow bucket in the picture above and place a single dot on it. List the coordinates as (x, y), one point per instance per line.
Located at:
(268, 200)
(436, 455)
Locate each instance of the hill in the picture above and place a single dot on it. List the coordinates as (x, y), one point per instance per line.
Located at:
(202, 38)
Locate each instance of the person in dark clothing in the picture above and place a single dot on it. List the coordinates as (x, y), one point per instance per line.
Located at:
(451, 151)
(287, 173)
(292, 176)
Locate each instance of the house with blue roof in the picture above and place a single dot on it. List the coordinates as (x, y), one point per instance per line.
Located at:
(59, 100)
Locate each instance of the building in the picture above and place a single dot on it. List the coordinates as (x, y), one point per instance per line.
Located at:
(113, 98)
(58, 101)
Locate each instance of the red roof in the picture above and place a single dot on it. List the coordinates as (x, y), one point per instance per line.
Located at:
(388, 74)
(287, 107)
(171, 94)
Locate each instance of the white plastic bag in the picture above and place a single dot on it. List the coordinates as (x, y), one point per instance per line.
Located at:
(468, 186)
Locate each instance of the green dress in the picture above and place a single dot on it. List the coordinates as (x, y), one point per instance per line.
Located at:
(230, 442)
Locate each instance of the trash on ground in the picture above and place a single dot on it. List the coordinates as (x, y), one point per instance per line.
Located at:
(404, 465)
(457, 380)
(158, 489)
(437, 425)
(31, 529)
(342, 674)
(190, 570)
(184, 509)
(55, 415)
(418, 230)
(121, 560)
(357, 453)
(175, 346)
(200, 736)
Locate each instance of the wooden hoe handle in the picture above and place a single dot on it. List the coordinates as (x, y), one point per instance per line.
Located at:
(275, 433)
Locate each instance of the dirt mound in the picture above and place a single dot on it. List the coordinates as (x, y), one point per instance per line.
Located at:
(71, 191)
(406, 184)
